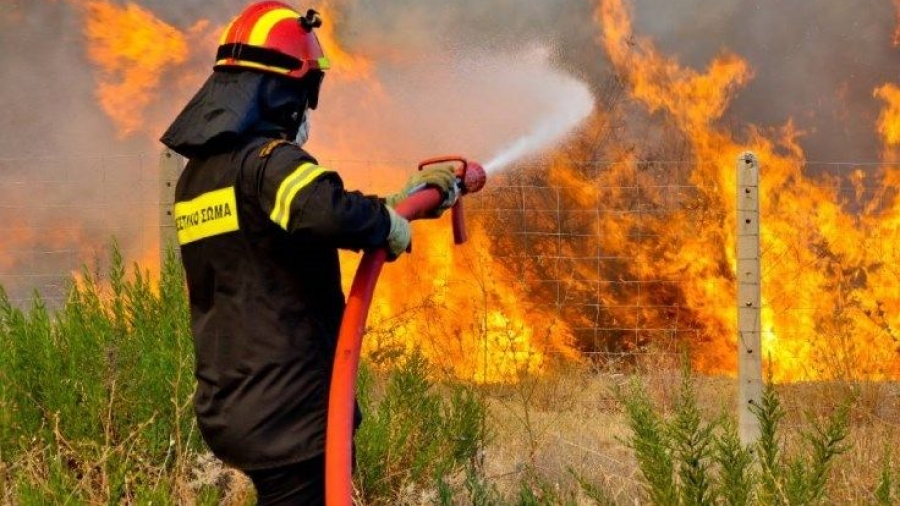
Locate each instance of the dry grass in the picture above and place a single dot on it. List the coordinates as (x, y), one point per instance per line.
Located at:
(570, 420)
(547, 429)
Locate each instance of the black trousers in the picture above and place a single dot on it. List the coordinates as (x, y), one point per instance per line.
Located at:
(300, 484)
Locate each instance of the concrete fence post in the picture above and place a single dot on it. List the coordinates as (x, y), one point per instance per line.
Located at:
(749, 341)
(170, 167)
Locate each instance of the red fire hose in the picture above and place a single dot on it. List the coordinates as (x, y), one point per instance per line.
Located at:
(339, 434)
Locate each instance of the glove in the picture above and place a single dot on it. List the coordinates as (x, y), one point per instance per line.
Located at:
(400, 236)
(442, 178)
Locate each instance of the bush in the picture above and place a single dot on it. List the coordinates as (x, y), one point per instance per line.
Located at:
(685, 461)
(96, 395)
(414, 435)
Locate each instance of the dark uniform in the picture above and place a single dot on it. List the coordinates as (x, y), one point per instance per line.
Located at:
(259, 224)
(259, 229)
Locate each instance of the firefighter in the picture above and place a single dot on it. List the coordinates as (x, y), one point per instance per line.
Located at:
(259, 225)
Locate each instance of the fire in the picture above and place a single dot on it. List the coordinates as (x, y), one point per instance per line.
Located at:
(664, 274)
(889, 120)
(827, 293)
(132, 49)
(463, 310)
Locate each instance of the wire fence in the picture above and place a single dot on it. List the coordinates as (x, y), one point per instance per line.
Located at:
(634, 257)
(60, 214)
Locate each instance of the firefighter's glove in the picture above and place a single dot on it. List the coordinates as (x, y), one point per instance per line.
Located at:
(441, 178)
(399, 238)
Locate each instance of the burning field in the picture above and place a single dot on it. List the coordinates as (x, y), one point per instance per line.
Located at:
(612, 126)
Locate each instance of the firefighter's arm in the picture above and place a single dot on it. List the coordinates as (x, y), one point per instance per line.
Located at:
(310, 201)
(326, 211)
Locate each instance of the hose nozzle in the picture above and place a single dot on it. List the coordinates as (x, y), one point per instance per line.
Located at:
(471, 176)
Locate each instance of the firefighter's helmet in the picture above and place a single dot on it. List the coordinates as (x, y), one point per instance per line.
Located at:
(272, 37)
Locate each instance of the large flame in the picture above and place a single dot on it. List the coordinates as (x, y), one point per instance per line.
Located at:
(464, 310)
(829, 303)
(132, 49)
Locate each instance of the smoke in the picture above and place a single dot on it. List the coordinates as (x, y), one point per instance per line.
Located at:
(47, 90)
(474, 103)
(814, 62)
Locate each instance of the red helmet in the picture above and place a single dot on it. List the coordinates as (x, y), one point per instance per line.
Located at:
(272, 37)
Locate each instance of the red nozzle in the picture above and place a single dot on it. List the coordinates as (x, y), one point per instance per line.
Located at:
(472, 180)
(473, 177)
(471, 174)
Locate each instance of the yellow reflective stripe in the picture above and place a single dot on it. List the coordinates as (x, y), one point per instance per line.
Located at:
(264, 25)
(212, 213)
(324, 64)
(288, 190)
(245, 63)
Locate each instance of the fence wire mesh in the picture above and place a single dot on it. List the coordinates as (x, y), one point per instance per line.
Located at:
(60, 214)
(634, 257)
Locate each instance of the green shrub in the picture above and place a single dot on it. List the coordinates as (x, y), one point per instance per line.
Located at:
(884, 491)
(801, 478)
(95, 408)
(651, 444)
(413, 434)
(686, 461)
(737, 475)
(96, 394)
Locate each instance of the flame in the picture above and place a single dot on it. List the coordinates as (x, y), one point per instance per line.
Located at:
(459, 306)
(139, 61)
(463, 310)
(132, 49)
(828, 305)
(889, 119)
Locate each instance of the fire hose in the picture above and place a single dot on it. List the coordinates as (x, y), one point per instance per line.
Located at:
(470, 178)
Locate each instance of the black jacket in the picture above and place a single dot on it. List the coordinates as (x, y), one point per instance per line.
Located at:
(259, 228)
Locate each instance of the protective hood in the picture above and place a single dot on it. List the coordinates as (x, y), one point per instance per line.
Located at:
(233, 106)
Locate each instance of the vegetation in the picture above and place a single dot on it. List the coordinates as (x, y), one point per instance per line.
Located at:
(95, 408)
(686, 461)
(96, 396)
(414, 435)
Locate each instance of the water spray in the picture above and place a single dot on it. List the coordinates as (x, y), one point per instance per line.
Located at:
(470, 178)
(573, 109)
